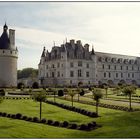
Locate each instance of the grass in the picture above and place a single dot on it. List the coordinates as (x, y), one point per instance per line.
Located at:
(31, 108)
(115, 124)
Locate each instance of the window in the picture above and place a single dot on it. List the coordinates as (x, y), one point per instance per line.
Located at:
(128, 74)
(62, 75)
(47, 67)
(109, 74)
(87, 65)
(121, 67)
(116, 75)
(52, 74)
(80, 63)
(71, 73)
(58, 74)
(108, 66)
(47, 75)
(52, 65)
(132, 68)
(104, 74)
(61, 65)
(121, 75)
(132, 75)
(115, 67)
(87, 74)
(126, 67)
(79, 73)
(71, 64)
(58, 65)
(103, 66)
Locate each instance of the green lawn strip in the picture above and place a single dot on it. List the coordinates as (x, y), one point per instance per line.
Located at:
(111, 102)
(115, 124)
(31, 108)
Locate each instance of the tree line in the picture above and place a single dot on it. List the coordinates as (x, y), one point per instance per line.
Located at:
(27, 72)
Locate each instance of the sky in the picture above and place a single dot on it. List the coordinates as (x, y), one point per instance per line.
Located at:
(112, 27)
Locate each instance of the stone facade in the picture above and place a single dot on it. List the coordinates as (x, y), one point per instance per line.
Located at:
(72, 63)
(8, 58)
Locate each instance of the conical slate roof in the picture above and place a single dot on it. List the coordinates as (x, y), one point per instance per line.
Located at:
(4, 39)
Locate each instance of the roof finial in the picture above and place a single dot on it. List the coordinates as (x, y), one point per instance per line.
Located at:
(66, 39)
(92, 52)
(54, 43)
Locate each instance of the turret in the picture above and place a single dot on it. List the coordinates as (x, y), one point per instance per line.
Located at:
(12, 38)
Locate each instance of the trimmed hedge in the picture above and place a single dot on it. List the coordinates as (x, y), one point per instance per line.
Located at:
(74, 109)
(89, 126)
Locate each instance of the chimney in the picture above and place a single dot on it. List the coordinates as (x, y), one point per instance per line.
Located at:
(12, 37)
(72, 41)
(78, 42)
(86, 47)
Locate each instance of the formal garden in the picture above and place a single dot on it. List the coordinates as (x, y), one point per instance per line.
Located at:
(80, 112)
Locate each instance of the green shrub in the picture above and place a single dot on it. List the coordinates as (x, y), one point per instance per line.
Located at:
(18, 116)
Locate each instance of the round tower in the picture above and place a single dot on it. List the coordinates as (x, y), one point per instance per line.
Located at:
(8, 58)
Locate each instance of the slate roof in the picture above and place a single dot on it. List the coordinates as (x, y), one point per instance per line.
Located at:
(4, 39)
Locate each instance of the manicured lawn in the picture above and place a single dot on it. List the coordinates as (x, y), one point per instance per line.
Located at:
(115, 124)
(31, 108)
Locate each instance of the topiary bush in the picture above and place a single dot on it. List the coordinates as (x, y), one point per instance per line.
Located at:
(29, 119)
(35, 119)
(73, 126)
(56, 123)
(43, 121)
(24, 118)
(60, 93)
(49, 122)
(65, 124)
(4, 114)
(0, 113)
(9, 115)
(18, 116)
(94, 124)
(13, 116)
(83, 127)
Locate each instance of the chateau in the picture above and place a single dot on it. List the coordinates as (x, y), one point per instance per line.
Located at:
(8, 58)
(72, 62)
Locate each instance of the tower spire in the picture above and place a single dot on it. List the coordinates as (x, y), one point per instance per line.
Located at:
(5, 27)
(43, 53)
(92, 52)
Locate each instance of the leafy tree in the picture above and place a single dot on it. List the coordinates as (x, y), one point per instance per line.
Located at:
(54, 93)
(79, 89)
(20, 85)
(97, 94)
(71, 93)
(106, 89)
(39, 97)
(35, 85)
(129, 90)
(60, 92)
(27, 72)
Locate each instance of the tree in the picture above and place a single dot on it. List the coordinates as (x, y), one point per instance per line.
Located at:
(106, 89)
(35, 85)
(72, 93)
(27, 72)
(79, 89)
(40, 97)
(54, 93)
(129, 90)
(97, 94)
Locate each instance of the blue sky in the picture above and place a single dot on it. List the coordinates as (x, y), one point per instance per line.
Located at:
(110, 27)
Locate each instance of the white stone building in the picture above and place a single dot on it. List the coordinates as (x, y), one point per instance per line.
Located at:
(8, 58)
(73, 62)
